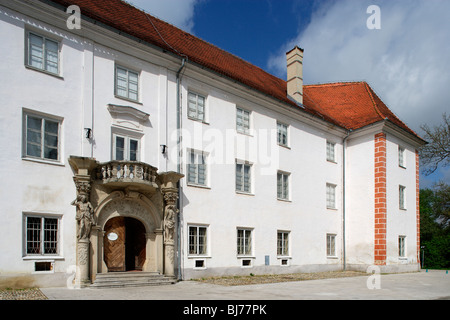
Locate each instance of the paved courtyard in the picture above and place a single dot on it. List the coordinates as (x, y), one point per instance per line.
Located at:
(423, 285)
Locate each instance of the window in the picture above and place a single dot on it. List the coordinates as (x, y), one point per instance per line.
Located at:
(283, 243)
(331, 151)
(42, 234)
(196, 107)
(197, 168)
(126, 148)
(127, 83)
(283, 186)
(43, 53)
(401, 196)
(401, 157)
(282, 130)
(42, 136)
(243, 121)
(331, 245)
(243, 177)
(402, 246)
(331, 196)
(197, 240)
(244, 242)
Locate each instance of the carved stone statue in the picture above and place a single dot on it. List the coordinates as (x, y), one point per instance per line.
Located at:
(85, 216)
(169, 223)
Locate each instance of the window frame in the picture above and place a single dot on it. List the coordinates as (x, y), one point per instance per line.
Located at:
(116, 83)
(402, 247)
(45, 39)
(285, 186)
(331, 152)
(197, 167)
(331, 245)
(333, 205)
(284, 249)
(196, 117)
(26, 114)
(244, 247)
(244, 164)
(241, 128)
(402, 157)
(402, 197)
(279, 134)
(42, 236)
(197, 245)
(127, 147)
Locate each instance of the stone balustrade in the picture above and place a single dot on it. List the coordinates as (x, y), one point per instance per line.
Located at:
(130, 172)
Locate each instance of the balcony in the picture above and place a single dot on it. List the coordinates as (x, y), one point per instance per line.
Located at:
(126, 174)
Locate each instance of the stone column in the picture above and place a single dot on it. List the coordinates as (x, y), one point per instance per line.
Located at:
(170, 192)
(84, 216)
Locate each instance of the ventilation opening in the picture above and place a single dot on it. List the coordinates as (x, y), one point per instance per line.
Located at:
(246, 263)
(284, 262)
(199, 263)
(43, 266)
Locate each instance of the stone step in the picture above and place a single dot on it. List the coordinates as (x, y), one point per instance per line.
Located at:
(131, 279)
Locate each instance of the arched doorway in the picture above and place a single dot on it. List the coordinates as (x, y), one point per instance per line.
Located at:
(124, 244)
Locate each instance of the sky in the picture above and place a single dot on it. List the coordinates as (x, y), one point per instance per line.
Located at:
(405, 59)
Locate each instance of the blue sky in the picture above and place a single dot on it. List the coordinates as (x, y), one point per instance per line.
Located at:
(406, 62)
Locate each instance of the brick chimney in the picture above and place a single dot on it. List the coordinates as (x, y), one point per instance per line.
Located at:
(295, 74)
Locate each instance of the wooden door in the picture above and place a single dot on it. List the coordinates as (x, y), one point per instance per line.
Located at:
(114, 244)
(135, 245)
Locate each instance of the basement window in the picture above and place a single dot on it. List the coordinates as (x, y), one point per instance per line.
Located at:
(247, 263)
(44, 266)
(200, 264)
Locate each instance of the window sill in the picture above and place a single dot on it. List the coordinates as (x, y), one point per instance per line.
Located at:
(43, 161)
(57, 76)
(199, 257)
(332, 257)
(199, 186)
(245, 193)
(42, 258)
(129, 100)
(199, 120)
(248, 134)
(332, 209)
(284, 200)
(284, 146)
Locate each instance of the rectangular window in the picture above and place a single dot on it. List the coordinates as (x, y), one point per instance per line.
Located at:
(197, 168)
(331, 152)
(401, 196)
(196, 107)
(243, 121)
(244, 242)
(126, 148)
(331, 245)
(283, 243)
(243, 177)
(127, 83)
(283, 186)
(42, 137)
(197, 240)
(402, 246)
(331, 196)
(42, 234)
(282, 131)
(401, 157)
(43, 53)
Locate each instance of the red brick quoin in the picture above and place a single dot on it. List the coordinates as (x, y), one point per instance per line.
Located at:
(380, 200)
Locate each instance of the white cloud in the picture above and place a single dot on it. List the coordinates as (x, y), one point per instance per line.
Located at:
(406, 62)
(180, 13)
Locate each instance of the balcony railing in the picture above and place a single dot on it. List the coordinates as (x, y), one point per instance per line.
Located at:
(126, 172)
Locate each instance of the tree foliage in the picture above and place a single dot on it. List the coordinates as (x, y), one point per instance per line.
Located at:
(437, 152)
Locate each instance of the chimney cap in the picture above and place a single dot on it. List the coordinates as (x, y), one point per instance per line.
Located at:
(295, 48)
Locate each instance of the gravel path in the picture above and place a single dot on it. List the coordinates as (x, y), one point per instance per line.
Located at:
(22, 294)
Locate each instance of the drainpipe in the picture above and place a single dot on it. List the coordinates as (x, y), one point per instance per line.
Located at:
(344, 149)
(180, 186)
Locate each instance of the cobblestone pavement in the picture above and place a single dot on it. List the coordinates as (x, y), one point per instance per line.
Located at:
(24, 294)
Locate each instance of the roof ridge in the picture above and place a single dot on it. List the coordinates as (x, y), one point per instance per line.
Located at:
(340, 83)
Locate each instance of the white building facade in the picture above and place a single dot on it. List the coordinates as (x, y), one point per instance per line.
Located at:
(124, 155)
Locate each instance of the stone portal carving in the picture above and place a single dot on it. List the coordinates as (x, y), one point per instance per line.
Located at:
(84, 217)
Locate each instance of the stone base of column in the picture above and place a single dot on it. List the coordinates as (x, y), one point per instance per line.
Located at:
(82, 276)
(169, 258)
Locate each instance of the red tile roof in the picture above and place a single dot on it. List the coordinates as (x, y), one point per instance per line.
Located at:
(349, 105)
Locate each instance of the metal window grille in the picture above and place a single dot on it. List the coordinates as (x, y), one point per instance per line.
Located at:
(42, 236)
(244, 242)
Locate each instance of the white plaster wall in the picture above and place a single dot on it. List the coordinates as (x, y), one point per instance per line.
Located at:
(401, 222)
(223, 210)
(360, 200)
